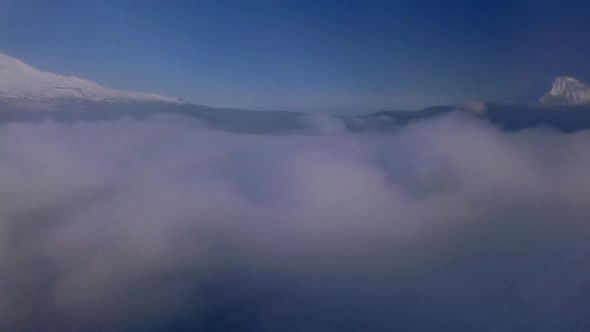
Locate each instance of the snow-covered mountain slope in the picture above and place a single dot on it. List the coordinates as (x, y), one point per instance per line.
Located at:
(19, 81)
(567, 91)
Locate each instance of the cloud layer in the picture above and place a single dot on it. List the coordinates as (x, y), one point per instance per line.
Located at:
(164, 224)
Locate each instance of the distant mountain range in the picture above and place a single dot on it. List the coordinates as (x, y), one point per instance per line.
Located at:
(28, 94)
(21, 82)
(567, 91)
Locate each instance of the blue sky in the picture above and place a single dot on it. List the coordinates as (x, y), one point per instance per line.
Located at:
(312, 55)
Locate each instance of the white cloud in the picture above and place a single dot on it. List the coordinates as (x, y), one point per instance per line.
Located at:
(123, 225)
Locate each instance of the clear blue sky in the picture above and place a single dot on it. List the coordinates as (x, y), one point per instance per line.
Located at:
(315, 55)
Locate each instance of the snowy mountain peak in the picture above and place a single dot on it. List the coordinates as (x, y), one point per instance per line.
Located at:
(19, 81)
(567, 91)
